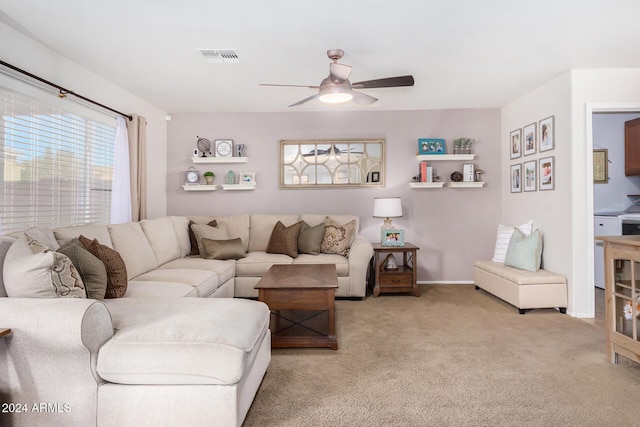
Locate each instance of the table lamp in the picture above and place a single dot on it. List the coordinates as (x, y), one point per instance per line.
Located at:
(390, 207)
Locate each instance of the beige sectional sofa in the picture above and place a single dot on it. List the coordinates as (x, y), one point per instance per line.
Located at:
(175, 350)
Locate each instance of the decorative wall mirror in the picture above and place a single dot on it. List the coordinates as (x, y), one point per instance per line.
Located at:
(332, 163)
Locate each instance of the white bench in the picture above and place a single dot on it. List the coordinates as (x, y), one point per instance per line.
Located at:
(523, 289)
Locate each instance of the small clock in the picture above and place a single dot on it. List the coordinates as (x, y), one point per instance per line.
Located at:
(192, 176)
(224, 147)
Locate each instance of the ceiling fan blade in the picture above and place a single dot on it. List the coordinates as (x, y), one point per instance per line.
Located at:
(387, 82)
(362, 98)
(339, 72)
(279, 85)
(304, 100)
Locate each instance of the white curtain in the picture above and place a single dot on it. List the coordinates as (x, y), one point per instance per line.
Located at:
(121, 184)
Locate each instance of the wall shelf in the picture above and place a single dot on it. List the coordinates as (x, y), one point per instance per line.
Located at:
(219, 159)
(238, 187)
(444, 157)
(438, 184)
(199, 187)
(465, 184)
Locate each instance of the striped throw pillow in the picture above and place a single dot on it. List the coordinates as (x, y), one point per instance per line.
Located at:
(504, 236)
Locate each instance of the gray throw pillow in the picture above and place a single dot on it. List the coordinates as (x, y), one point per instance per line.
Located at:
(223, 249)
(206, 231)
(310, 239)
(524, 252)
(91, 269)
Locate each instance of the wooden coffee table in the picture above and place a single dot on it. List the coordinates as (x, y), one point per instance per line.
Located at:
(302, 303)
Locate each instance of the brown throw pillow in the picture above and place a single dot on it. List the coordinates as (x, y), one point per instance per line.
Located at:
(337, 239)
(310, 239)
(113, 264)
(192, 237)
(223, 249)
(284, 240)
(91, 269)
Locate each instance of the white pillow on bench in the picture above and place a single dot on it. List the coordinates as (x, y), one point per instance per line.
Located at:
(504, 236)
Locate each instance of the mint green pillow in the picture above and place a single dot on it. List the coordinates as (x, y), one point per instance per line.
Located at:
(524, 252)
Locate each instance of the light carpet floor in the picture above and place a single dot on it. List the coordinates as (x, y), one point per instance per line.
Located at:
(456, 356)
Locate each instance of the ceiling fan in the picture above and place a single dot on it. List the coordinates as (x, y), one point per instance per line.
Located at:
(336, 88)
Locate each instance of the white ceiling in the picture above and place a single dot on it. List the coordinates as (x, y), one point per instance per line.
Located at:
(462, 53)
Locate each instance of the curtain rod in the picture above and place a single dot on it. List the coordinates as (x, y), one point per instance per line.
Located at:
(64, 92)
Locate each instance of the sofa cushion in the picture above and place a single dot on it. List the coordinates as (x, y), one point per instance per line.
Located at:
(149, 289)
(337, 238)
(134, 248)
(90, 231)
(224, 269)
(503, 236)
(35, 271)
(181, 228)
(162, 238)
(310, 238)
(223, 249)
(524, 252)
(42, 234)
(91, 269)
(341, 263)
(258, 263)
(262, 226)
(182, 341)
(113, 264)
(205, 282)
(193, 241)
(284, 240)
(202, 231)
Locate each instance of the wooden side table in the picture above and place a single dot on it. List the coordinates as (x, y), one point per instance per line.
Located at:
(4, 331)
(404, 279)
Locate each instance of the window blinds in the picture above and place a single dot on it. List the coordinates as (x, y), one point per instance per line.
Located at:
(56, 162)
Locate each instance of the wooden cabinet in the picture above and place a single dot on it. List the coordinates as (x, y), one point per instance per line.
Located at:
(632, 147)
(404, 278)
(622, 296)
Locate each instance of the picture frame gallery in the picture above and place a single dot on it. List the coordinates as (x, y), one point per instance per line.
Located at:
(537, 174)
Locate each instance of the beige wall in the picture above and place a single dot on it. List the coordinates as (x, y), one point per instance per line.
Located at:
(29, 55)
(452, 227)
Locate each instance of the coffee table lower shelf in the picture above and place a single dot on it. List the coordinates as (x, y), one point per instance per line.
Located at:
(298, 328)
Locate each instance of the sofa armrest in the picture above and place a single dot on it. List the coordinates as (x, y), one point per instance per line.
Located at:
(359, 256)
(51, 355)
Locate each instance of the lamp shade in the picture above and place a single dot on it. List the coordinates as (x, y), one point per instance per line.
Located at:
(387, 207)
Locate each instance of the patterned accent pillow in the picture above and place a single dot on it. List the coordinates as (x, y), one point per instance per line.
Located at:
(219, 232)
(284, 240)
(192, 237)
(113, 264)
(62, 275)
(91, 269)
(337, 239)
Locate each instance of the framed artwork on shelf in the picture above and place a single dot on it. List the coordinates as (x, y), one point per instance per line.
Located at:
(547, 129)
(516, 144)
(530, 181)
(392, 237)
(247, 178)
(529, 139)
(600, 166)
(516, 178)
(223, 147)
(547, 173)
(432, 146)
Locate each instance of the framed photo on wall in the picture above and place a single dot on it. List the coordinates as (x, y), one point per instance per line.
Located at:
(516, 178)
(530, 140)
(600, 166)
(547, 173)
(516, 144)
(530, 181)
(547, 130)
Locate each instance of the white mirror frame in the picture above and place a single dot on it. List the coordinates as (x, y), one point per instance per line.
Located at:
(332, 163)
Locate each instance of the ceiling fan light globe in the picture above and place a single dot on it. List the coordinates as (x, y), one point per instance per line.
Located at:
(335, 95)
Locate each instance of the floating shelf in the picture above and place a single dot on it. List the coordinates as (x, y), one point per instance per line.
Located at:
(199, 187)
(219, 159)
(443, 157)
(465, 184)
(438, 184)
(238, 187)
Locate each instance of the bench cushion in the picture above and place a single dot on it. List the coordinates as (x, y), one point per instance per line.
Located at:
(182, 341)
(520, 277)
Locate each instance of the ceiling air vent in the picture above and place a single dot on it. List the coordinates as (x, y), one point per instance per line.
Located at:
(220, 56)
